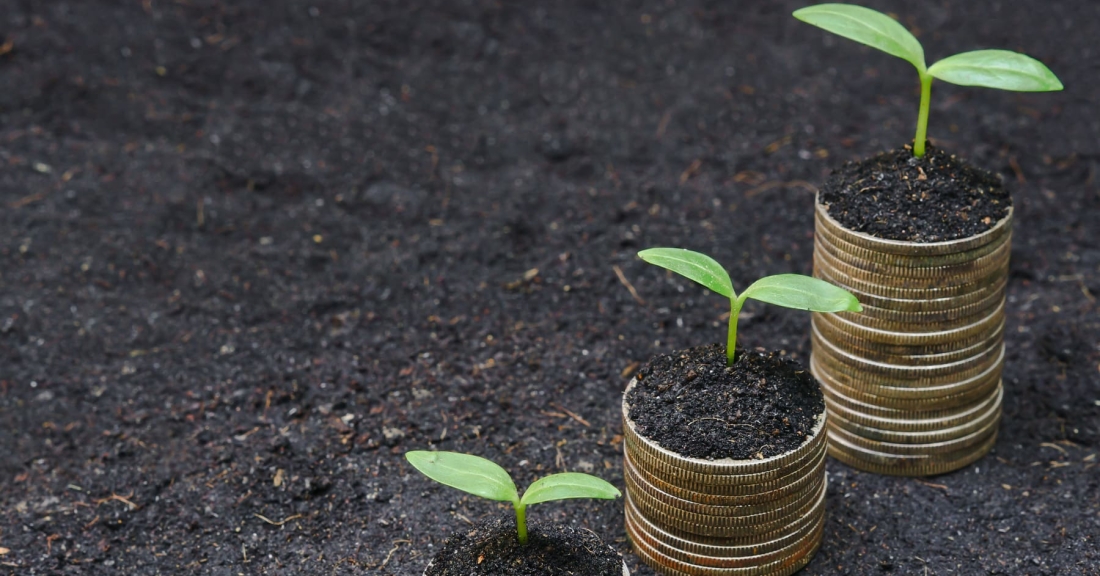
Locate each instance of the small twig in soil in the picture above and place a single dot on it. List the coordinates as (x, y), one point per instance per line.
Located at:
(124, 499)
(26, 200)
(931, 485)
(1055, 446)
(571, 414)
(49, 541)
(1015, 165)
(629, 286)
(280, 523)
(690, 171)
(396, 544)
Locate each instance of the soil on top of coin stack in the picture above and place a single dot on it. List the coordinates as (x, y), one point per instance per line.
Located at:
(691, 403)
(898, 196)
(493, 548)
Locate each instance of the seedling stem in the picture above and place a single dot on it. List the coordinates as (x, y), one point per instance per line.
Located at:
(922, 116)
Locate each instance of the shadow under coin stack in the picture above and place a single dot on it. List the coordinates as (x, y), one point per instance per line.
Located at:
(913, 383)
(690, 516)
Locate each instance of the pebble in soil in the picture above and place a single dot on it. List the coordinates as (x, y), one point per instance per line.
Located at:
(551, 550)
(691, 403)
(897, 196)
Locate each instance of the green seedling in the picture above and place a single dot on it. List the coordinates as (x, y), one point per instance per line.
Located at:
(485, 478)
(787, 290)
(1001, 69)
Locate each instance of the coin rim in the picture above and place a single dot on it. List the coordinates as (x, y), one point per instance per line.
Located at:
(910, 248)
(721, 467)
(964, 265)
(912, 419)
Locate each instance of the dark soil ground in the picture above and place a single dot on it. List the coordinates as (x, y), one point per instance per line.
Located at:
(692, 403)
(251, 252)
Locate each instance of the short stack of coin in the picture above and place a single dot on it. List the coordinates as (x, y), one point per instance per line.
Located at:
(913, 383)
(691, 516)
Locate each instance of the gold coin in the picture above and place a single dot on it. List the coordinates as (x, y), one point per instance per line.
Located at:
(899, 355)
(643, 490)
(922, 302)
(911, 436)
(861, 254)
(859, 343)
(736, 494)
(729, 543)
(723, 484)
(737, 548)
(726, 470)
(783, 566)
(964, 314)
(912, 249)
(907, 465)
(859, 369)
(893, 297)
(725, 526)
(954, 445)
(754, 557)
(909, 420)
(907, 398)
(648, 495)
(904, 322)
(967, 265)
(962, 337)
(658, 463)
(889, 286)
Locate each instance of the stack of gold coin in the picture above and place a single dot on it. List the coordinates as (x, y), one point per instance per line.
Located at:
(913, 383)
(692, 516)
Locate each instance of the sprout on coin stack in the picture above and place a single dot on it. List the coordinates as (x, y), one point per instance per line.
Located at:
(913, 384)
(724, 450)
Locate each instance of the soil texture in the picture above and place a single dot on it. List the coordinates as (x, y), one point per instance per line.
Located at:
(898, 196)
(492, 549)
(692, 403)
(252, 252)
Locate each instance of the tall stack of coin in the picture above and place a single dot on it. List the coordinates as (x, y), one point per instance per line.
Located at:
(691, 516)
(913, 383)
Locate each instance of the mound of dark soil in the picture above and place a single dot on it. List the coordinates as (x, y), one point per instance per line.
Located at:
(898, 196)
(690, 402)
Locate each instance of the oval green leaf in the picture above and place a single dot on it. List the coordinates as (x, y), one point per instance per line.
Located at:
(802, 293)
(1002, 69)
(866, 26)
(568, 485)
(693, 266)
(466, 472)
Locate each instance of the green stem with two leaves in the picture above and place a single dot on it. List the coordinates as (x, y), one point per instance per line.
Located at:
(922, 116)
(486, 479)
(787, 290)
(1000, 69)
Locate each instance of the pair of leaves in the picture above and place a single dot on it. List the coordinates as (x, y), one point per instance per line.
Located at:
(1002, 69)
(486, 479)
(787, 290)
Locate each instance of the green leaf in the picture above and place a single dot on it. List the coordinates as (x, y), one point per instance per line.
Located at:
(693, 266)
(468, 473)
(866, 26)
(1003, 69)
(568, 485)
(802, 293)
